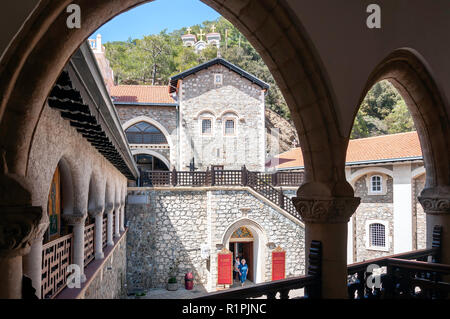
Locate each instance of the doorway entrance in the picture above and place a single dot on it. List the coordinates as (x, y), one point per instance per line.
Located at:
(241, 245)
(147, 164)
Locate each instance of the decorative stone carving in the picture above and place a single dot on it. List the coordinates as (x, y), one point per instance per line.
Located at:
(326, 210)
(109, 208)
(19, 226)
(74, 220)
(96, 211)
(435, 206)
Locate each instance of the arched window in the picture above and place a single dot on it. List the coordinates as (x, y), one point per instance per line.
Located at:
(376, 184)
(377, 235)
(206, 126)
(229, 126)
(145, 133)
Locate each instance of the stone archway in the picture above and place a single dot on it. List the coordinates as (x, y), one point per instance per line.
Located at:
(259, 245)
(34, 60)
(410, 75)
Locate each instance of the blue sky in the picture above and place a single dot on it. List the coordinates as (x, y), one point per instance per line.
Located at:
(153, 17)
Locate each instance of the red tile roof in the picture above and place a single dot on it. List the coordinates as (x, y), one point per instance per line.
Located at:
(378, 148)
(141, 94)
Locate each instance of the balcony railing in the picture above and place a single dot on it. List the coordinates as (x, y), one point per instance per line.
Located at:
(217, 178)
(406, 275)
(89, 235)
(56, 257)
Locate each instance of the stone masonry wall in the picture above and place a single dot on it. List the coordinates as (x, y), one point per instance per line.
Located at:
(200, 94)
(372, 207)
(168, 226)
(109, 282)
(170, 223)
(420, 216)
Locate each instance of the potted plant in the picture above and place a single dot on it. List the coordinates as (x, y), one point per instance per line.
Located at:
(172, 283)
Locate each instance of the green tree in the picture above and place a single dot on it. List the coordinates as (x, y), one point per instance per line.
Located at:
(399, 120)
(383, 111)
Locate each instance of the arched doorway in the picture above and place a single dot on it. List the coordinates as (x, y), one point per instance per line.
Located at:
(148, 163)
(251, 242)
(241, 245)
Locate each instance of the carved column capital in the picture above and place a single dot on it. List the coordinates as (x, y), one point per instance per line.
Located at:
(109, 208)
(19, 226)
(435, 205)
(325, 210)
(74, 220)
(96, 211)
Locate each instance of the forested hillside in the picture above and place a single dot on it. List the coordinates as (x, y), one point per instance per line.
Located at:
(155, 58)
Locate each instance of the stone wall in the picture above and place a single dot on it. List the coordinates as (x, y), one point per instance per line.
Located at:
(166, 224)
(237, 98)
(56, 140)
(372, 208)
(419, 214)
(109, 282)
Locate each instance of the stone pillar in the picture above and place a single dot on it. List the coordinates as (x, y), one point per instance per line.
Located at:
(402, 198)
(122, 218)
(98, 236)
(109, 225)
(326, 220)
(19, 226)
(77, 222)
(117, 221)
(436, 204)
(32, 262)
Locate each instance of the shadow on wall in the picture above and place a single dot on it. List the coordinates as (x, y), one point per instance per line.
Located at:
(179, 223)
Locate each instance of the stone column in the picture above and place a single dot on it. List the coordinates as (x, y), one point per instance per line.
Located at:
(326, 220)
(19, 226)
(98, 236)
(32, 262)
(109, 225)
(117, 221)
(77, 222)
(436, 204)
(122, 218)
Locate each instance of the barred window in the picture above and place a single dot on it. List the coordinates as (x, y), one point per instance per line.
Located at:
(376, 184)
(377, 235)
(229, 127)
(145, 133)
(206, 126)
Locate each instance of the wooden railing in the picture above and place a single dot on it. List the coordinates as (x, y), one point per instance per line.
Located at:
(406, 275)
(89, 236)
(262, 183)
(104, 231)
(272, 194)
(311, 282)
(56, 257)
(216, 177)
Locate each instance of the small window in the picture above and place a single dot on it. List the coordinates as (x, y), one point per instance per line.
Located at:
(229, 127)
(377, 233)
(376, 185)
(218, 78)
(206, 126)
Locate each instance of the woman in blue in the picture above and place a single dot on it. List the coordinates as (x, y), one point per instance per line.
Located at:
(243, 269)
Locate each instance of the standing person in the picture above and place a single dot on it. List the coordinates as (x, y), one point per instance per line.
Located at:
(237, 263)
(243, 269)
